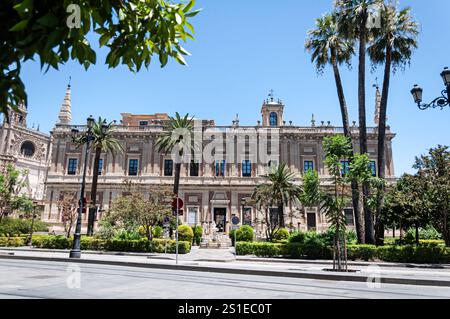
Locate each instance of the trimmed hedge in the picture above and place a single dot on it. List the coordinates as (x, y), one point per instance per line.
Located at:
(316, 250)
(12, 241)
(92, 243)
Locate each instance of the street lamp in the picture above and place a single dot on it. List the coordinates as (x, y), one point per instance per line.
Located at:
(30, 238)
(88, 136)
(439, 102)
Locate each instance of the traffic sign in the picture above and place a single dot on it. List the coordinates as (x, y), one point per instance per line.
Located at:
(235, 227)
(180, 212)
(166, 222)
(177, 203)
(235, 220)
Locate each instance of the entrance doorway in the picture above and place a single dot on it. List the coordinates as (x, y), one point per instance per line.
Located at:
(311, 220)
(220, 215)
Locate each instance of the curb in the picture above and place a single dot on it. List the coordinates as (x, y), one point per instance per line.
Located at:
(350, 263)
(251, 272)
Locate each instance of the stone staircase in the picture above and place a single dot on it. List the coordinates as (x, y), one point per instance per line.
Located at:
(218, 241)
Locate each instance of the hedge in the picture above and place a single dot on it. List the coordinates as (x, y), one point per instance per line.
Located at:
(12, 241)
(311, 250)
(91, 243)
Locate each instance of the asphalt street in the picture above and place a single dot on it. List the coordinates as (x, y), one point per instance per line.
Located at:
(37, 279)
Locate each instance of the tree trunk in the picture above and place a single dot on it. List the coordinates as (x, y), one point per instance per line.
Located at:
(357, 208)
(281, 215)
(368, 218)
(176, 185)
(382, 144)
(93, 207)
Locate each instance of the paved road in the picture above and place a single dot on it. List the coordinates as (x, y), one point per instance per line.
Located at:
(36, 279)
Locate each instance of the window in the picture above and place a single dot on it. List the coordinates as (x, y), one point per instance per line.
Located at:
(100, 167)
(143, 123)
(133, 167)
(373, 166)
(192, 215)
(27, 149)
(345, 167)
(273, 119)
(220, 168)
(72, 167)
(168, 168)
(349, 216)
(246, 169)
(308, 166)
(194, 169)
(247, 216)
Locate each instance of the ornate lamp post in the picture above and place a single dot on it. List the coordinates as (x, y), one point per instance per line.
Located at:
(76, 249)
(439, 102)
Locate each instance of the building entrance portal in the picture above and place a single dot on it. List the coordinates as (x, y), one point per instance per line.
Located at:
(220, 218)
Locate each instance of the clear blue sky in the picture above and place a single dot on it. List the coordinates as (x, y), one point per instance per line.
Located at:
(242, 50)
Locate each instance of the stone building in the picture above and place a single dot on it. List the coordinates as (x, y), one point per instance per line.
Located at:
(212, 188)
(27, 149)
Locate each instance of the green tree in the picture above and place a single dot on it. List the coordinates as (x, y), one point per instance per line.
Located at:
(327, 45)
(279, 190)
(392, 46)
(12, 182)
(103, 141)
(353, 20)
(333, 201)
(409, 204)
(133, 211)
(133, 31)
(434, 171)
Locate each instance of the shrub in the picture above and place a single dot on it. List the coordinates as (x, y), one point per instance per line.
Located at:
(245, 233)
(185, 233)
(362, 252)
(281, 234)
(430, 233)
(297, 237)
(124, 234)
(314, 247)
(259, 249)
(12, 241)
(198, 234)
(16, 226)
(432, 243)
(158, 232)
(413, 254)
(57, 242)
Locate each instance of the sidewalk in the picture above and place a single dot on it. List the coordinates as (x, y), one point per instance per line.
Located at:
(223, 261)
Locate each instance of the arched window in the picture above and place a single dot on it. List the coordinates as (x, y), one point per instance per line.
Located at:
(273, 119)
(27, 149)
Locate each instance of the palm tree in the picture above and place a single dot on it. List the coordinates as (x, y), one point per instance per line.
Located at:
(281, 188)
(393, 45)
(328, 46)
(353, 16)
(103, 141)
(173, 140)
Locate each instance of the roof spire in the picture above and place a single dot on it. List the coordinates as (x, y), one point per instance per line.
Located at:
(65, 113)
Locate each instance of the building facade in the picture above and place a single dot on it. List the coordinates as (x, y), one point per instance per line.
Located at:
(214, 186)
(28, 150)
